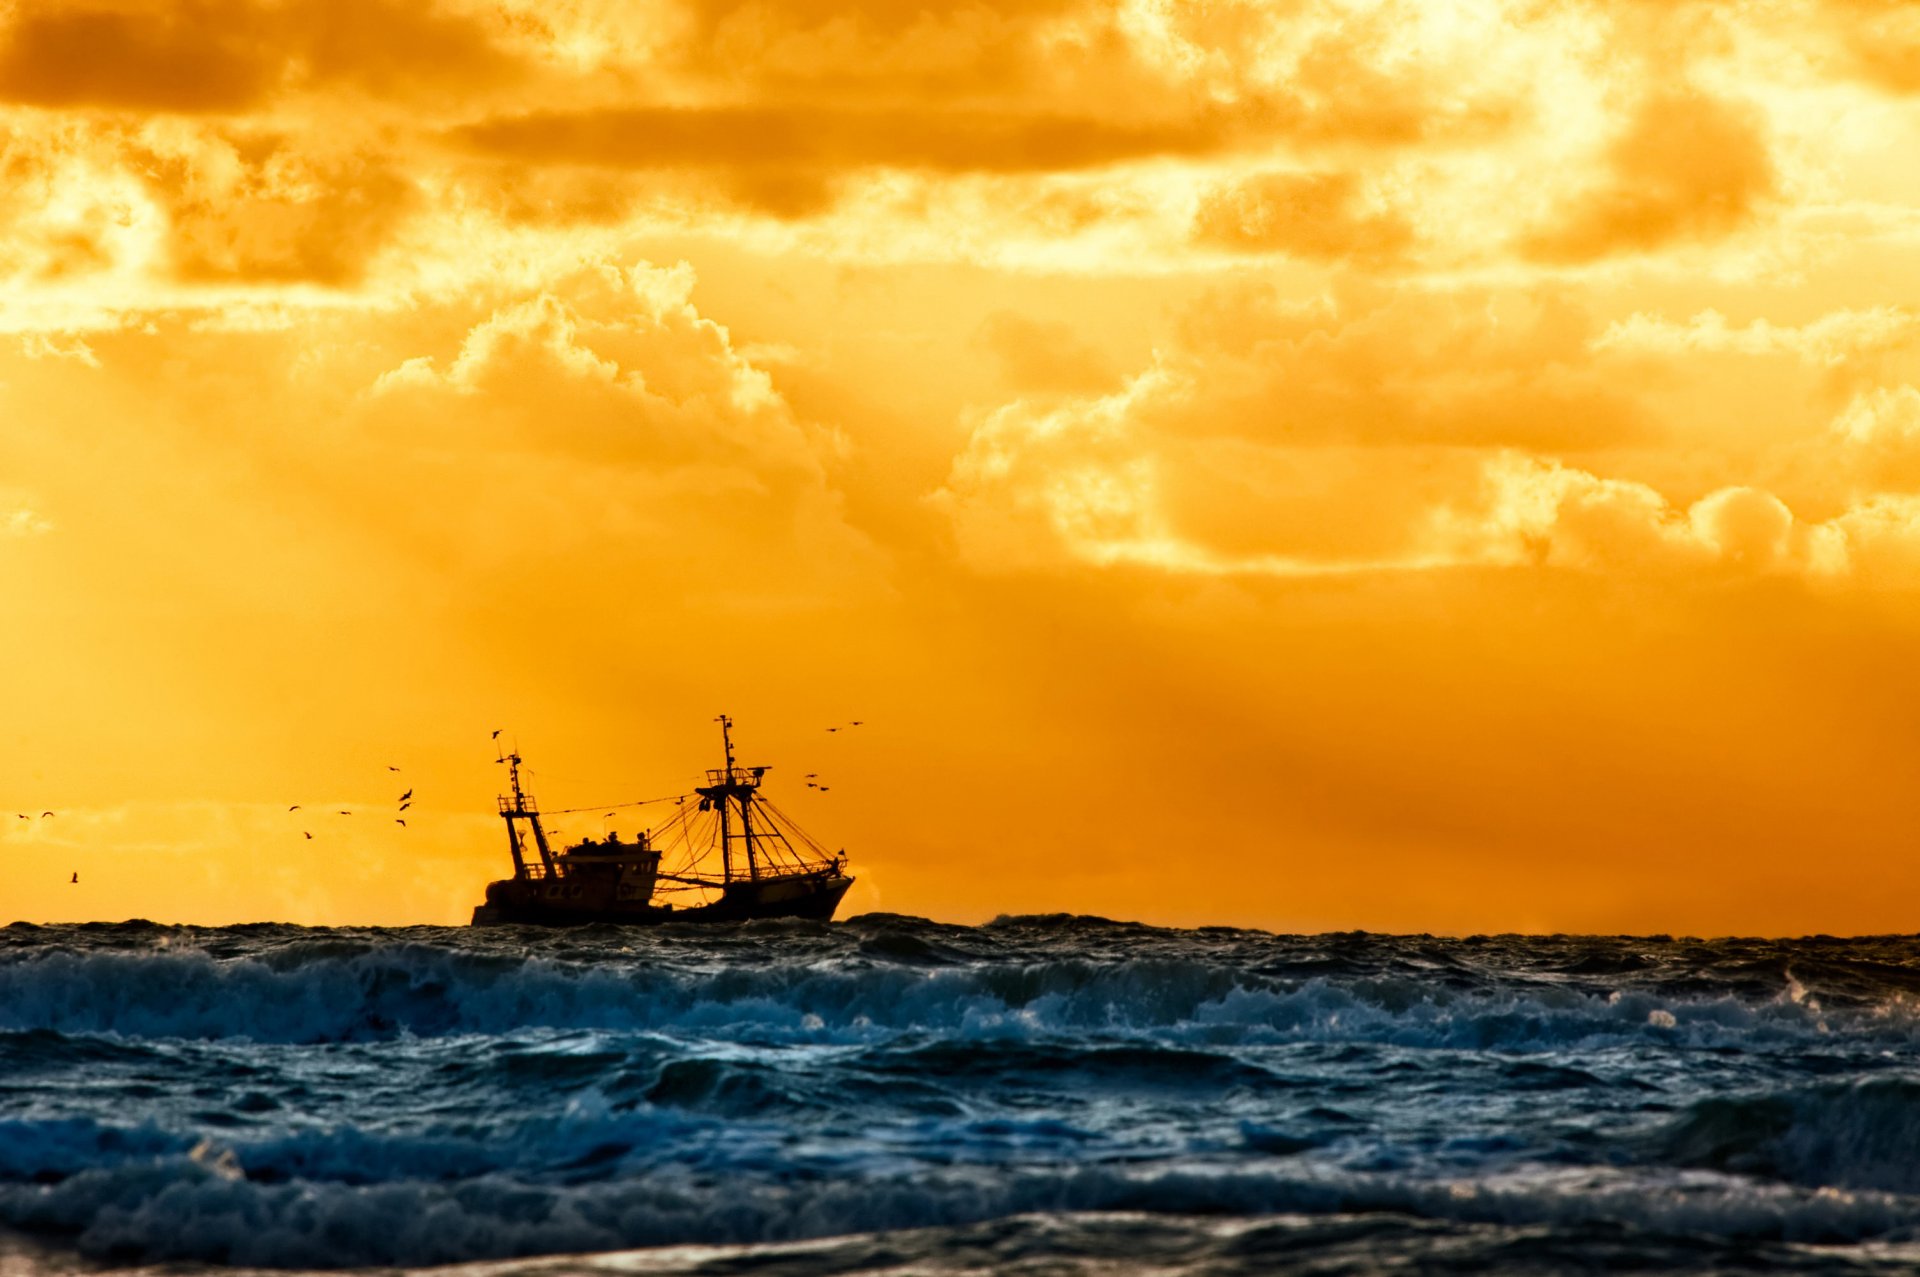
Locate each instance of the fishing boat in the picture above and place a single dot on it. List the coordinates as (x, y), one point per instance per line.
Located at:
(724, 853)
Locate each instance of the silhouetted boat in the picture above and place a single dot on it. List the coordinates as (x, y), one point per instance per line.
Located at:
(767, 866)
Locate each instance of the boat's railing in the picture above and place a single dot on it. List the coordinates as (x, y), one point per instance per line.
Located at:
(522, 806)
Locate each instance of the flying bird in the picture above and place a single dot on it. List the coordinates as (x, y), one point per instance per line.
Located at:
(21, 814)
(833, 729)
(392, 768)
(496, 733)
(76, 876)
(305, 832)
(399, 822)
(46, 813)
(295, 807)
(812, 775)
(346, 813)
(856, 722)
(404, 797)
(825, 788)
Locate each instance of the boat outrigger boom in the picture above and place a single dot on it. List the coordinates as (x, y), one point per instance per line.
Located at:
(768, 867)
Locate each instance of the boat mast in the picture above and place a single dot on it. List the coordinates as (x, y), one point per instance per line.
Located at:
(726, 783)
(519, 808)
(730, 787)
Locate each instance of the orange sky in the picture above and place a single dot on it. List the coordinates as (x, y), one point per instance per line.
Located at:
(1301, 464)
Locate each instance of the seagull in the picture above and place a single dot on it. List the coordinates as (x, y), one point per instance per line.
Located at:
(404, 806)
(305, 832)
(812, 775)
(399, 822)
(404, 797)
(825, 788)
(21, 814)
(856, 722)
(295, 807)
(496, 733)
(392, 768)
(833, 729)
(76, 876)
(46, 813)
(346, 813)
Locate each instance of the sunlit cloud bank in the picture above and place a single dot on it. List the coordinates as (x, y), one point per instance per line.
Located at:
(1483, 425)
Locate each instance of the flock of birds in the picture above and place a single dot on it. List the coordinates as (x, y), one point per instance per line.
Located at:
(406, 799)
(813, 778)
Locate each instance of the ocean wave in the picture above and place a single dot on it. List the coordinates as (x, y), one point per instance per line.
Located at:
(343, 990)
(202, 1204)
(1855, 1135)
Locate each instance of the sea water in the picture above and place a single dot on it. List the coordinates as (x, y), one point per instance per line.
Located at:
(1043, 1095)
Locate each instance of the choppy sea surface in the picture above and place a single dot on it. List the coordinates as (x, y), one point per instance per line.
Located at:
(1049, 1095)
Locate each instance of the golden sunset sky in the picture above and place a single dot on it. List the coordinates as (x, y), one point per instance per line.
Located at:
(1412, 466)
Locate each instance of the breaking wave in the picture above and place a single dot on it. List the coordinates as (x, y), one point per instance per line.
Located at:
(334, 993)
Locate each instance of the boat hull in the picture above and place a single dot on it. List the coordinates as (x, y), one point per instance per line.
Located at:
(521, 902)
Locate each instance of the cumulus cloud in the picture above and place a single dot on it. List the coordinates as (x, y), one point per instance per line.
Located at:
(1050, 493)
(1531, 510)
(605, 415)
(1881, 417)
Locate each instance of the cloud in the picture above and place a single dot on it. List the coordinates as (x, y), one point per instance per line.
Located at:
(1402, 366)
(1880, 40)
(231, 55)
(143, 57)
(606, 417)
(1058, 490)
(1538, 511)
(23, 521)
(1882, 416)
(801, 138)
(1687, 168)
(116, 215)
(1315, 215)
(1840, 338)
(42, 346)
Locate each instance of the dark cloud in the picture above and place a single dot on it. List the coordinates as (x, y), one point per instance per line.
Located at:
(194, 59)
(231, 55)
(803, 139)
(1688, 167)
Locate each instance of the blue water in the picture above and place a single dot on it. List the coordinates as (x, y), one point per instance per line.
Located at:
(1044, 1095)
